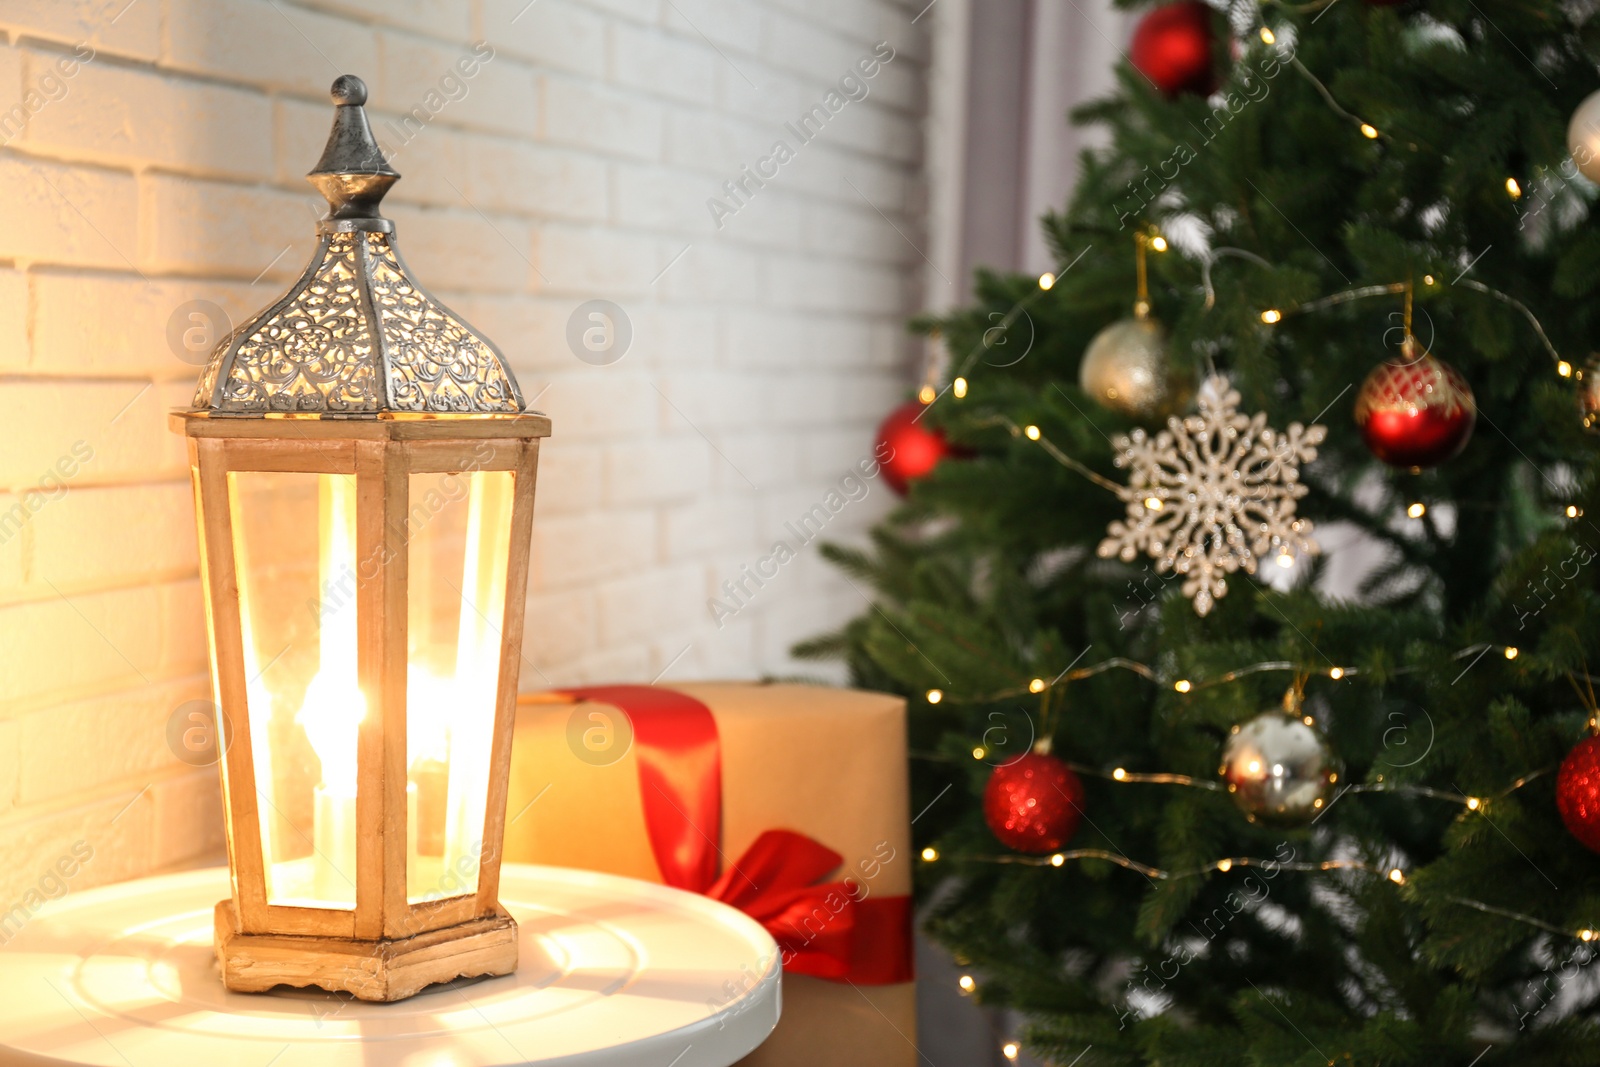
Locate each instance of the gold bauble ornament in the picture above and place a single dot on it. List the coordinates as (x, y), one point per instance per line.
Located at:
(1583, 137)
(1126, 368)
(1278, 769)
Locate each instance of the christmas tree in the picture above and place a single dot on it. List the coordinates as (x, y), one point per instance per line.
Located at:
(1373, 224)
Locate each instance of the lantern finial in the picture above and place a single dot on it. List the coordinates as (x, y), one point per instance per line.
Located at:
(352, 173)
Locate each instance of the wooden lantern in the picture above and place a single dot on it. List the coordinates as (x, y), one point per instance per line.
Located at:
(364, 476)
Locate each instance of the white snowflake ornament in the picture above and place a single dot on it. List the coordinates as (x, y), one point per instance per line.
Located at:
(1212, 494)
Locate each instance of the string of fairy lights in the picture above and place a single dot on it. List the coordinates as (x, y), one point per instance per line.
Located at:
(1396, 875)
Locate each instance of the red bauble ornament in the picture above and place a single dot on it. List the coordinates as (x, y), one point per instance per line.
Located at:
(1033, 803)
(1416, 414)
(1173, 47)
(908, 448)
(1578, 792)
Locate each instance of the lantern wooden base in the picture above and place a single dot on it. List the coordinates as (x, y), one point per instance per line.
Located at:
(383, 970)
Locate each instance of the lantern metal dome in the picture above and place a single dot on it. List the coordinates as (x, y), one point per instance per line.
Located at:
(356, 336)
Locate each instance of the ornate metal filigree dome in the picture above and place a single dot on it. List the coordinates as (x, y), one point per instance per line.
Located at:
(356, 335)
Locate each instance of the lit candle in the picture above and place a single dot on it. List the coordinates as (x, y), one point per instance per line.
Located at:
(334, 704)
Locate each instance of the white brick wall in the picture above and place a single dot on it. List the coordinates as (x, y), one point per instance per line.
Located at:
(167, 168)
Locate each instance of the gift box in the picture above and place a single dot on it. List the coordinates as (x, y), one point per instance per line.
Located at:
(790, 802)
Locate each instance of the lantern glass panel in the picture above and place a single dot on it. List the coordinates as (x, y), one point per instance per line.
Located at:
(295, 555)
(458, 531)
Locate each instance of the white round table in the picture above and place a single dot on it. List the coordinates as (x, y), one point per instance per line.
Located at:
(613, 972)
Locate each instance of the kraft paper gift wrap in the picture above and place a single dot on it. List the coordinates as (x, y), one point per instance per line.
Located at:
(775, 777)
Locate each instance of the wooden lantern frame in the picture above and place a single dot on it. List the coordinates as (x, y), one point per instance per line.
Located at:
(359, 371)
(386, 948)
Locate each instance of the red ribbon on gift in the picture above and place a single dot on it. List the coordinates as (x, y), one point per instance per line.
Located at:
(825, 929)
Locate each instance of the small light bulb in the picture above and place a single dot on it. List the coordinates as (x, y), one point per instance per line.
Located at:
(1285, 560)
(1271, 315)
(1031, 432)
(1010, 1050)
(1182, 685)
(930, 854)
(1336, 673)
(1046, 280)
(1158, 243)
(1369, 131)
(1473, 803)
(1308, 720)
(1224, 866)
(1153, 503)
(1511, 652)
(1564, 369)
(1514, 189)
(978, 752)
(1036, 686)
(1573, 511)
(1417, 510)
(1268, 37)
(966, 983)
(1427, 279)
(1057, 860)
(934, 696)
(1119, 774)
(959, 388)
(1397, 876)
(1587, 935)
(927, 395)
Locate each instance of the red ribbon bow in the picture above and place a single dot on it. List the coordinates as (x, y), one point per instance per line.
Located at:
(832, 930)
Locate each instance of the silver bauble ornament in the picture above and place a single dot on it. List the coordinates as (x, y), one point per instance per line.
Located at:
(1278, 769)
(1126, 368)
(1583, 137)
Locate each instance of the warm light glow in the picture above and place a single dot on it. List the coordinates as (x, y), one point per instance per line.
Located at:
(1473, 803)
(1158, 243)
(1271, 315)
(1011, 1050)
(1224, 866)
(1573, 511)
(1564, 369)
(1511, 652)
(934, 696)
(1119, 774)
(1369, 131)
(959, 388)
(1036, 686)
(1427, 279)
(334, 705)
(1308, 720)
(1397, 876)
(1182, 685)
(927, 394)
(979, 752)
(1031, 432)
(1057, 860)
(1268, 37)
(1513, 189)
(930, 854)
(1336, 673)
(1587, 935)
(1417, 510)
(966, 983)
(1285, 560)
(1046, 280)
(1153, 503)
